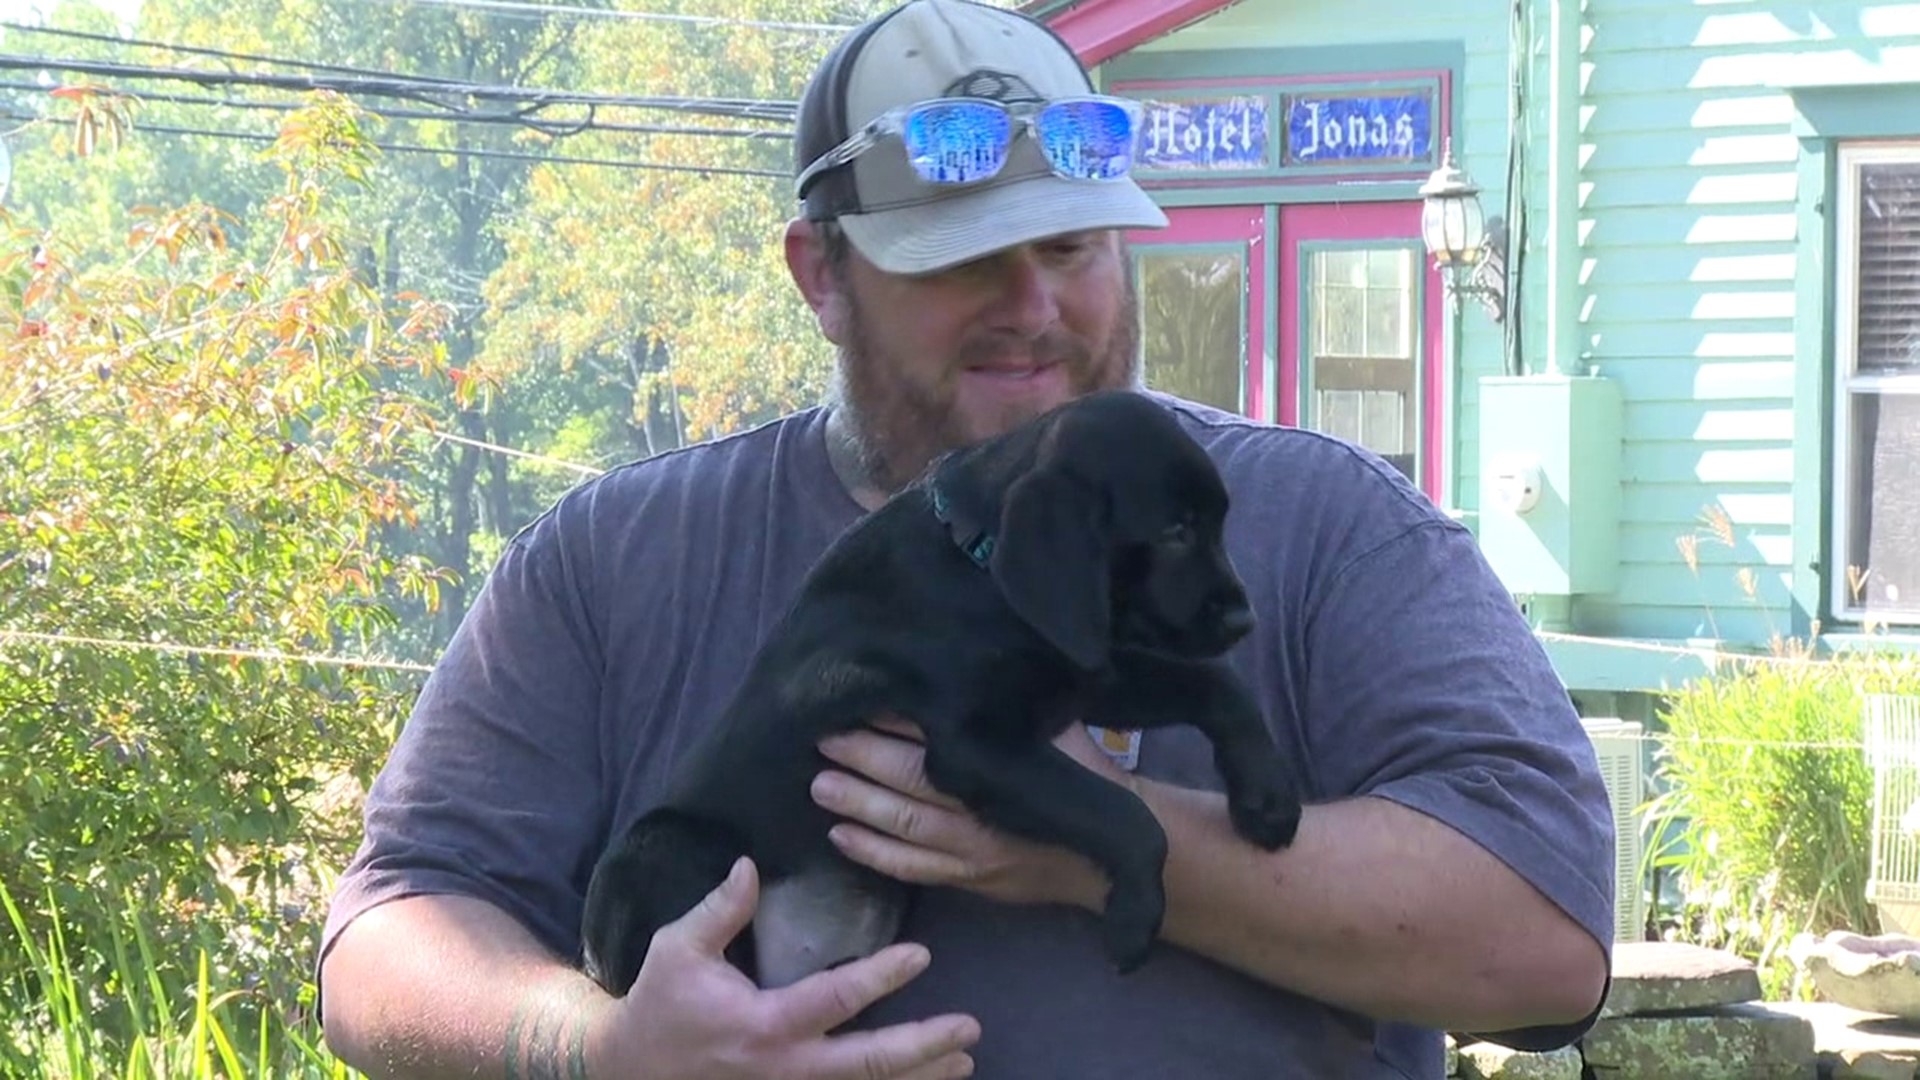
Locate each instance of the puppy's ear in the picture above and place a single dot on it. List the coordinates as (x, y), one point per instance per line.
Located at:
(1050, 561)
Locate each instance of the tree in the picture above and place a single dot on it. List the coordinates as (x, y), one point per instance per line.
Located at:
(671, 283)
(204, 451)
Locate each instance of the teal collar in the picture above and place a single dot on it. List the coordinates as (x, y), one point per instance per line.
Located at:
(968, 535)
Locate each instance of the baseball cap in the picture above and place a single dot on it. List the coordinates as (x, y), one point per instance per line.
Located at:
(926, 49)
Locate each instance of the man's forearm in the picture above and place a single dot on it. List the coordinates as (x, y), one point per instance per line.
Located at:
(443, 986)
(1377, 908)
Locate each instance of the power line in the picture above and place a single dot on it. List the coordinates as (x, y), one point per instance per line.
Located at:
(409, 88)
(585, 470)
(504, 155)
(546, 10)
(324, 660)
(521, 118)
(221, 54)
(223, 652)
(462, 117)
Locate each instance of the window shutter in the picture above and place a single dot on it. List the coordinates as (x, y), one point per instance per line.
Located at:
(1889, 271)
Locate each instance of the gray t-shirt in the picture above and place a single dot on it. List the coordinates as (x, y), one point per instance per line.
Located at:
(1390, 659)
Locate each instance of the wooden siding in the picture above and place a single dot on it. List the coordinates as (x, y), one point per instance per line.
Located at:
(1689, 248)
(1376, 29)
(1688, 257)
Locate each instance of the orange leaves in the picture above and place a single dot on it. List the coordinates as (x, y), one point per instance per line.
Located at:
(98, 112)
(172, 231)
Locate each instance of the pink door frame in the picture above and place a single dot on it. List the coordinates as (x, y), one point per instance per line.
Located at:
(1308, 224)
(1246, 228)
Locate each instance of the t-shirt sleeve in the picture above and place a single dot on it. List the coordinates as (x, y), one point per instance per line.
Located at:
(1426, 687)
(493, 788)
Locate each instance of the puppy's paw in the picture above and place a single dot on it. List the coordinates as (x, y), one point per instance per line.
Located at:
(1132, 922)
(1265, 811)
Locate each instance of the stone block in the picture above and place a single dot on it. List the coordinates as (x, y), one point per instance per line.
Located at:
(1856, 1045)
(1655, 977)
(1732, 1042)
(1486, 1061)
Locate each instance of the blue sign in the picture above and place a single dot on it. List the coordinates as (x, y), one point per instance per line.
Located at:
(1367, 128)
(1205, 134)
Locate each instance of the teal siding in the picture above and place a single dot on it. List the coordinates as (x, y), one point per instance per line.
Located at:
(1701, 183)
(1690, 247)
(1380, 34)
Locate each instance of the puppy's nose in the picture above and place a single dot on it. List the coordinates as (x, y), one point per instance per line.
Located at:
(1236, 620)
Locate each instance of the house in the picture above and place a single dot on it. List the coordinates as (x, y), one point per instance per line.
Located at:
(1672, 378)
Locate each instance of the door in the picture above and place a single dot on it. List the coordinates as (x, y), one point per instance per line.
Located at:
(1204, 297)
(1361, 334)
(1357, 304)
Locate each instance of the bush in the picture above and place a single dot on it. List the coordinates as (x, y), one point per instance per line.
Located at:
(203, 449)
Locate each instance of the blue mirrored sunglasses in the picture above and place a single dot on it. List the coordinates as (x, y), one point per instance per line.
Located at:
(964, 140)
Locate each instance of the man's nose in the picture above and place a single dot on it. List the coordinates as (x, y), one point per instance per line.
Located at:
(1027, 303)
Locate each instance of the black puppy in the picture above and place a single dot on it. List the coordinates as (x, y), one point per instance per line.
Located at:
(1072, 568)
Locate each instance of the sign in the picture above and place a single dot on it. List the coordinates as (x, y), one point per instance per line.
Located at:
(1369, 128)
(1205, 134)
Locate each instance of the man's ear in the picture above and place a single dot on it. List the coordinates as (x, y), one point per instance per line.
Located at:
(1051, 563)
(813, 273)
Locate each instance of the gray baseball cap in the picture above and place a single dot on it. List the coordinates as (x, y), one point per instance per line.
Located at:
(948, 48)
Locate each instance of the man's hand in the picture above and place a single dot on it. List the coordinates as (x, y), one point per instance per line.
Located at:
(900, 826)
(691, 1014)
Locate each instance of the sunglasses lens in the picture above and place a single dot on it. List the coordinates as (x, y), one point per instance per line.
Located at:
(956, 142)
(1088, 140)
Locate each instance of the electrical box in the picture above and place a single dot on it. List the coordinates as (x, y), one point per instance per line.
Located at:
(1550, 448)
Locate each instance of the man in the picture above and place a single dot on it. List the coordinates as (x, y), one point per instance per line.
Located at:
(1453, 872)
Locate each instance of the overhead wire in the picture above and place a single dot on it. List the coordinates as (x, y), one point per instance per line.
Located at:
(218, 651)
(505, 155)
(408, 88)
(532, 10)
(486, 118)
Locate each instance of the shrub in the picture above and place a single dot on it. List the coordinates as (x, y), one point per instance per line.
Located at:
(203, 449)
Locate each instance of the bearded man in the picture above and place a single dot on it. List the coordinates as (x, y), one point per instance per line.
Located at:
(964, 193)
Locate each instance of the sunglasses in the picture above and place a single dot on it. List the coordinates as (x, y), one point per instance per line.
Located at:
(960, 140)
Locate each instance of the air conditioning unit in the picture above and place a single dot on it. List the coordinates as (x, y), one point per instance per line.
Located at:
(1617, 743)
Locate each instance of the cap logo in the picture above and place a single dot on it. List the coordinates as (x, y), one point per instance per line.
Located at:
(998, 86)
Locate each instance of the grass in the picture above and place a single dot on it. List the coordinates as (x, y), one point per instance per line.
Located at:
(136, 1028)
(1766, 810)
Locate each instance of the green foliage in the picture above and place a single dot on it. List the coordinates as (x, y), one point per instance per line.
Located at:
(202, 449)
(195, 1037)
(674, 285)
(1765, 819)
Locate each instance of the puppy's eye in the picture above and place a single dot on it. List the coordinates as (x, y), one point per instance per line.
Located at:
(1179, 534)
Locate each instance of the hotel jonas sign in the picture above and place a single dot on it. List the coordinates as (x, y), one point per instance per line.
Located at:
(1232, 133)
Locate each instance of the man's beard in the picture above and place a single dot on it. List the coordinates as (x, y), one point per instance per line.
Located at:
(892, 427)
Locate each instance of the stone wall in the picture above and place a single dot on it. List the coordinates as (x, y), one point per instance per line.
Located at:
(1681, 1012)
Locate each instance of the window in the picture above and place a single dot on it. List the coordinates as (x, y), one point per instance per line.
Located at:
(1193, 313)
(1875, 563)
(1363, 368)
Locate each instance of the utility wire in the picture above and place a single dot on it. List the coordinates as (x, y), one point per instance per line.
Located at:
(504, 155)
(37, 637)
(409, 88)
(221, 54)
(465, 116)
(1664, 738)
(484, 118)
(547, 10)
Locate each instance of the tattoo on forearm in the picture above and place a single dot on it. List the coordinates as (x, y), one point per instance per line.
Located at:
(547, 1038)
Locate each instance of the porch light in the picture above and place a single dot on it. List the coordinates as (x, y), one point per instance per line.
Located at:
(1454, 229)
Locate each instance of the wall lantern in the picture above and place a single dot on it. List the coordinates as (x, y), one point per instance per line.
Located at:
(1455, 231)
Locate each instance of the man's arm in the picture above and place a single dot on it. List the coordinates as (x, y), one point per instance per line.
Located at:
(433, 987)
(1377, 908)
(437, 986)
(1374, 907)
